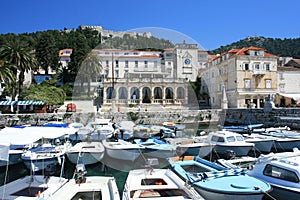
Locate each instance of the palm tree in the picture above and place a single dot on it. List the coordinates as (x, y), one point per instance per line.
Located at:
(6, 73)
(89, 71)
(17, 54)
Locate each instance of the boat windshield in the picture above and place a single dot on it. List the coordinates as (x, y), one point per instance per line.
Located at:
(239, 138)
(231, 139)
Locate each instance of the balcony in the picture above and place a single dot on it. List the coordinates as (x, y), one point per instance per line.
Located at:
(259, 72)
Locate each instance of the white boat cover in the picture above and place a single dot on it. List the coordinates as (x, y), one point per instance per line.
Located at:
(29, 135)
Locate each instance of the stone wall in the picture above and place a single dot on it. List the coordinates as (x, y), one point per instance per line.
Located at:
(277, 117)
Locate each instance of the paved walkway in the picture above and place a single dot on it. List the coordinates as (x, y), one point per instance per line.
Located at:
(87, 106)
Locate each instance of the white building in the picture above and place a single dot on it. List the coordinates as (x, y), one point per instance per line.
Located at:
(288, 84)
(149, 77)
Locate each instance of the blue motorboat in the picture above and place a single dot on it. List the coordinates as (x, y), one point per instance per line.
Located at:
(242, 128)
(213, 181)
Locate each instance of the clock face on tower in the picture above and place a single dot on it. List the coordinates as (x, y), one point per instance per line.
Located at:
(187, 61)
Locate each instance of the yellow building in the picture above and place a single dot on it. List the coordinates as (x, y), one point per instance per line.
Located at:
(247, 76)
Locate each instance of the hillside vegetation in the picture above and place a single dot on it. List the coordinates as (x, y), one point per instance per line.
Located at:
(279, 47)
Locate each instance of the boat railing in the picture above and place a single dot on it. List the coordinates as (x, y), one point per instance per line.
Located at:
(205, 176)
(186, 187)
(276, 156)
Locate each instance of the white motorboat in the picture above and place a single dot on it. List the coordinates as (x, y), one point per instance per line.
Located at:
(32, 187)
(226, 141)
(282, 171)
(23, 138)
(87, 187)
(282, 143)
(50, 151)
(102, 128)
(152, 183)
(122, 150)
(157, 148)
(87, 152)
(14, 141)
(262, 144)
(189, 147)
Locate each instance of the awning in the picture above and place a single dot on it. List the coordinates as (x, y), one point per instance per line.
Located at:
(31, 102)
(38, 103)
(24, 102)
(296, 97)
(5, 103)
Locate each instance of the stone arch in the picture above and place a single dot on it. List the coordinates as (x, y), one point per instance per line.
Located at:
(169, 93)
(180, 93)
(122, 93)
(109, 93)
(134, 93)
(157, 93)
(146, 95)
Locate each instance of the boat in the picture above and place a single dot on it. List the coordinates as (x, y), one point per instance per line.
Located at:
(13, 142)
(157, 148)
(189, 147)
(87, 187)
(241, 162)
(227, 142)
(212, 181)
(122, 150)
(22, 138)
(50, 149)
(150, 183)
(242, 128)
(282, 143)
(282, 171)
(261, 144)
(101, 128)
(86, 152)
(32, 187)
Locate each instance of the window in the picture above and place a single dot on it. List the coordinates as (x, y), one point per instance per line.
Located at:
(256, 66)
(246, 66)
(267, 67)
(231, 139)
(281, 87)
(239, 138)
(146, 63)
(126, 63)
(107, 63)
(280, 173)
(268, 83)
(136, 64)
(117, 63)
(281, 76)
(247, 83)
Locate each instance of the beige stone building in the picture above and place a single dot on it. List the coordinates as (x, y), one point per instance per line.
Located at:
(247, 76)
(148, 77)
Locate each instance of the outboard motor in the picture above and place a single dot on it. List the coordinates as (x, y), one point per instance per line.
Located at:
(229, 154)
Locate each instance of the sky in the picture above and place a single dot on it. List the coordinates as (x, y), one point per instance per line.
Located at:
(209, 23)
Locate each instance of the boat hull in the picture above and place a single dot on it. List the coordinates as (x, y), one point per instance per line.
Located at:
(36, 165)
(86, 158)
(124, 154)
(238, 150)
(282, 193)
(225, 196)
